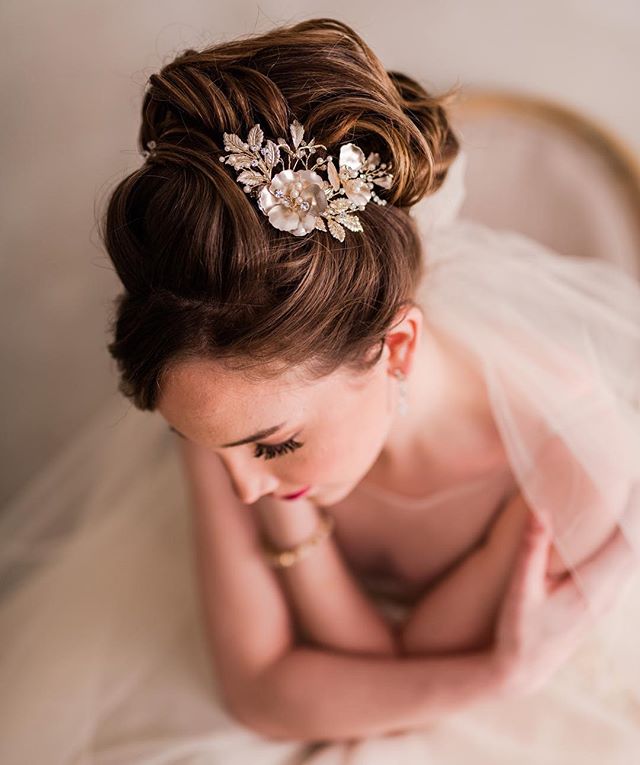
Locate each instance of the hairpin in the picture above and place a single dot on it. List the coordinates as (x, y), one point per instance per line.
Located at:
(149, 149)
(301, 200)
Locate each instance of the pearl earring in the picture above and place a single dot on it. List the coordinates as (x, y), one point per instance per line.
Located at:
(403, 405)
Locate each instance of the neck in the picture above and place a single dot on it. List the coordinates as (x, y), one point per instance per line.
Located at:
(448, 411)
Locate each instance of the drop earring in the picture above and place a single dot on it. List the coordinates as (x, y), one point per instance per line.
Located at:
(403, 404)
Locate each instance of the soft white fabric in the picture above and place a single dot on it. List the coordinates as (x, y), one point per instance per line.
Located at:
(103, 657)
(553, 180)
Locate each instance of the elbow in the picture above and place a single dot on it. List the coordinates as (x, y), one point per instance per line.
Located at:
(258, 707)
(246, 716)
(235, 705)
(280, 705)
(248, 713)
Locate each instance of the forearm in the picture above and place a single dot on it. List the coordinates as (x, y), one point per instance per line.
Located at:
(459, 612)
(331, 608)
(311, 694)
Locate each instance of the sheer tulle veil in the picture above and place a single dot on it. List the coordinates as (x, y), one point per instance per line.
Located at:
(102, 653)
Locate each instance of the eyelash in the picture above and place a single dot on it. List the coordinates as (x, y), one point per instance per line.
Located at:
(276, 450)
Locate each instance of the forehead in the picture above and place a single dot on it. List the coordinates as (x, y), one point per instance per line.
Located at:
(202, 389)
(204, 381)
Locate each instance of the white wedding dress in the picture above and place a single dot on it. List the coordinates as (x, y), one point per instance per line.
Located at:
(103, 656)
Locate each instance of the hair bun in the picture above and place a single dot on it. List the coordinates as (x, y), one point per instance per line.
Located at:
(437, 146)
(320, 72)
(206, 275)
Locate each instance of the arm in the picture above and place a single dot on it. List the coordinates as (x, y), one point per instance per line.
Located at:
(332, 609)
(281, 689)
(311, 695)
(316, 695)
(247, 621)
(459, 612)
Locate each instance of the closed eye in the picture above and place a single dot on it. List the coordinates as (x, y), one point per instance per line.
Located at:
(269, 451)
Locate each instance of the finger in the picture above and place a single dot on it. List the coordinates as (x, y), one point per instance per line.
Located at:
(555, 581)
(529, 574)
(599, 578)
(602, 577)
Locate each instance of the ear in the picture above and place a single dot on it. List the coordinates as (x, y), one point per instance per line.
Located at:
(402, 339)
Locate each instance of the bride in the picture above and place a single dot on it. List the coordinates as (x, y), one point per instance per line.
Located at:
(409, 443)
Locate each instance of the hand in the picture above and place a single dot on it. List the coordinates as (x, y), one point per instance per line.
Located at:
(543, 620)
(287, 522)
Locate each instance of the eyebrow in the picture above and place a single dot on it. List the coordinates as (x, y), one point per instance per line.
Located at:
(249, 439)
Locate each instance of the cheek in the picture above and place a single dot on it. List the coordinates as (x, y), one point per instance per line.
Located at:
(351, 447)
(322, 464)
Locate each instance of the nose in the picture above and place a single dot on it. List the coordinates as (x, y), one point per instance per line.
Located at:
(251, 483)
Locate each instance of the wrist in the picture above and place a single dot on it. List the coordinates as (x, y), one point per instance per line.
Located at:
(287, 523)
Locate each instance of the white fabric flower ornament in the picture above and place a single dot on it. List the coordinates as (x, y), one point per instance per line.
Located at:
(293, 199)
(301, 200)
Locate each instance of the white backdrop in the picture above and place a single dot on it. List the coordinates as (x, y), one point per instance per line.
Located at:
(72, 77)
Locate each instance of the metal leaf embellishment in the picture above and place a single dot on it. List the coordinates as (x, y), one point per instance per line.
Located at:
(301, 200)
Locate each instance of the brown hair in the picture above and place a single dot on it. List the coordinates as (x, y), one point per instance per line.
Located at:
(204, 272)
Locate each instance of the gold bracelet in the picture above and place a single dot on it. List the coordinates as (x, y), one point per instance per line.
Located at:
(285, 558)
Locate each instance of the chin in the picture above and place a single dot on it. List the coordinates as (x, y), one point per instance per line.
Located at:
(332, 496)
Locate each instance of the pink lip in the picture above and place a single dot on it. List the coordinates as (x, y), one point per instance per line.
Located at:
(297, 494)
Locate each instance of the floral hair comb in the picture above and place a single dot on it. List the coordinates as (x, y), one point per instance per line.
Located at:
(301, 200)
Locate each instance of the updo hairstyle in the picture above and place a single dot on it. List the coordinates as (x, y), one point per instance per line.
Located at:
(205, 274)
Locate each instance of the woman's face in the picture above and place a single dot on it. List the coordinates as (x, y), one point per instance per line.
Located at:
(331, 431)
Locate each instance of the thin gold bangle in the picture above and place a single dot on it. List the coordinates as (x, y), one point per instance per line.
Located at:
(285, 558)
